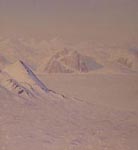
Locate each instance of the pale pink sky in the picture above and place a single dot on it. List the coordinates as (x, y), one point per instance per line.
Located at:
(70, 19)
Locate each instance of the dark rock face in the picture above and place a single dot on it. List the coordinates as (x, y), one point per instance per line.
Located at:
(19, 88)
(55, 66)
(71, 61)
(125, 62)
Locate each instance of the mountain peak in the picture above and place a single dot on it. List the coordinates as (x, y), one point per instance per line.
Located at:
(68, 61)
(20, 72)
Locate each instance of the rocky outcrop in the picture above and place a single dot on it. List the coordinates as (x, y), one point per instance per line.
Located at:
(69, 61)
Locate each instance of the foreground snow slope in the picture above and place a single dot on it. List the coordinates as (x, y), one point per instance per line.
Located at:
(22, 73)
(19, 79)
(53, 122)
(86, 117)
(118, 90)
(64, 124)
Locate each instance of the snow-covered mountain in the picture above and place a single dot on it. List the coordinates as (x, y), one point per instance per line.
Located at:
(129, 59)
(29, 50)
(68, 61)
(56, 55)
(93, 111)
(57, 123)
(20, 79)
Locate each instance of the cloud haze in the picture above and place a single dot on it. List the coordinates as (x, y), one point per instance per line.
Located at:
(74, 19)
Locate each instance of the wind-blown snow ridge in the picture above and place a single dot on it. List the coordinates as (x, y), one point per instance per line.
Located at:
(34, 77)
(20, 79)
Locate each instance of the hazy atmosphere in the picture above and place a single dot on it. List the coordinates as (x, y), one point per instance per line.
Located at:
(68, 74)
(73, 20)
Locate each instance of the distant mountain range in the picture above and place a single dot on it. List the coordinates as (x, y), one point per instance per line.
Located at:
(58, 56)
(68, 61)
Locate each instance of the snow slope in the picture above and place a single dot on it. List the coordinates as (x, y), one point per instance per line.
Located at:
(97, 110)
(19, 78)
(33, 118)
(58, 124)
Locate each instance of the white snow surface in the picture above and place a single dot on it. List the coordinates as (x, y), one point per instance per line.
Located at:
(83, 111)
(56, 122)
(23, 74)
